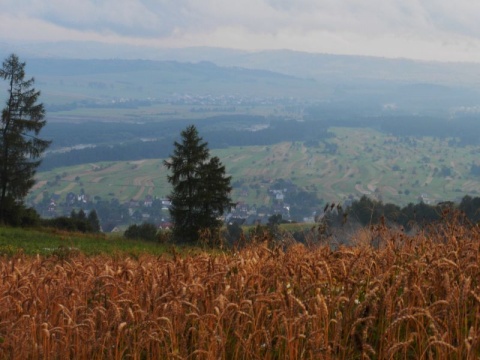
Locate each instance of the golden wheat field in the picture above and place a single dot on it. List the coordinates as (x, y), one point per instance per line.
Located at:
(404, 298)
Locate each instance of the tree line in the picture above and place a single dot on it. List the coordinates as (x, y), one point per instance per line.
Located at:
(367, 211)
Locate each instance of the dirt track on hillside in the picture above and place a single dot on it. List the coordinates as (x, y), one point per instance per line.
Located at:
(39, 185)
(390, 189)
(66, 188)
(329, 184)
(361, 190)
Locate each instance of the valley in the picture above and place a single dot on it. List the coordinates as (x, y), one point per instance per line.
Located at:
(352, 162)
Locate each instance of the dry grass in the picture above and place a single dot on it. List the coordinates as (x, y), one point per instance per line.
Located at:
(389, 297)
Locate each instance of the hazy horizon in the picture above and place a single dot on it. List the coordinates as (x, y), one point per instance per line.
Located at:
(427, 30)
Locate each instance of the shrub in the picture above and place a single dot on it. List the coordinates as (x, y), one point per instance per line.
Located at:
(68, 224)
(145, 231)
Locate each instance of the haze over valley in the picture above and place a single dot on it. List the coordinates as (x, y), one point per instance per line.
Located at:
(331, 101)
(335, 127)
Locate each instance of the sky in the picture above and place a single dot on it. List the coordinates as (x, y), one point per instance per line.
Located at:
(442, 30)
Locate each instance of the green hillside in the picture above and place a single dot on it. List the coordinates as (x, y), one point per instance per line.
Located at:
(355, 162)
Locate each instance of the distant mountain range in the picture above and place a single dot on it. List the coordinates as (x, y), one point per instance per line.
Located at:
(324, 67)
(73, 72)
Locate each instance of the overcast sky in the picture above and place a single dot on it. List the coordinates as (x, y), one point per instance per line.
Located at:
(443, 30)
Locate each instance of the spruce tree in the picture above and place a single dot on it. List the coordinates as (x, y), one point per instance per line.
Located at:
(94, 221)
(20, 146)
(213, 193)
(81, 215)
(200, 188)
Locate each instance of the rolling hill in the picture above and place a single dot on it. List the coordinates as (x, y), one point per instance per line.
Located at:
(362, 161)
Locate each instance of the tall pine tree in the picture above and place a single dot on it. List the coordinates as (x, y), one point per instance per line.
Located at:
(200, 188)
(20, 146)
(213, 193)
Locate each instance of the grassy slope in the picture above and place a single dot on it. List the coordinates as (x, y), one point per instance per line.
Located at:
(362, 165)
(64, 244)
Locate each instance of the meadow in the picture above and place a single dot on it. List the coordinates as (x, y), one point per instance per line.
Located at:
(51, 242)
(387, 296)
(366, 162)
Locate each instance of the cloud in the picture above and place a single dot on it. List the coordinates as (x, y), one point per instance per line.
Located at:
(121, 17)
(392, 28)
